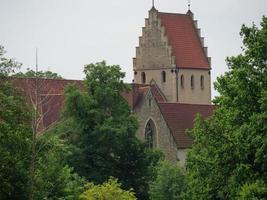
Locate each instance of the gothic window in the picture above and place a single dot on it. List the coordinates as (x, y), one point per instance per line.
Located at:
(149, 133)
(163, 76)
(182, 81)
(202, 82)
(143, 77)
(192, 82)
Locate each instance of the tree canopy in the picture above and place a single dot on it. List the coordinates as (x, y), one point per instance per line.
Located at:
(228, 159)
(108, 190)
(169, 183)
(40, 74)
(101, 132)
(53, 179)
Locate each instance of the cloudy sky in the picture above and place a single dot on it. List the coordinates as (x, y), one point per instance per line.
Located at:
(72, 33)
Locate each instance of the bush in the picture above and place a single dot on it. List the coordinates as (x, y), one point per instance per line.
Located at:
(108, 190)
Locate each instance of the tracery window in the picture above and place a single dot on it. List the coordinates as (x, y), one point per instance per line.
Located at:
(149, 134)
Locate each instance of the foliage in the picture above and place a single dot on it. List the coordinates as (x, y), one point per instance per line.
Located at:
(169, 182)
(53, 178)
(15, 134)
(7, 66)
(40, 74)
(100, 130)
(228, 159)
(253, 191)
(108, 190)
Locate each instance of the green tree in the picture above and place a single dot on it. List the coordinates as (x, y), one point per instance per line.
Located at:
(53, 179)
(169, 183)
(101, 130)
(229, 155)
(40, 74)
(15, 134)
(108, 190)
(7, 65)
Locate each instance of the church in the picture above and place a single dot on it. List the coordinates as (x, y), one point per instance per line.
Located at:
(171, 84)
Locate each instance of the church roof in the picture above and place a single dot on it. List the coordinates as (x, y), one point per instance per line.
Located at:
(180, 117)
(51, 96)
(184, 40)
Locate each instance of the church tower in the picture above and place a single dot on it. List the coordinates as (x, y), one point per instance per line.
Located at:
(171, 54)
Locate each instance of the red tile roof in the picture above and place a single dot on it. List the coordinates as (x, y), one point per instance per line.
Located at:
(158, 95)
(52, 95)
(180, 117)
(184, 40)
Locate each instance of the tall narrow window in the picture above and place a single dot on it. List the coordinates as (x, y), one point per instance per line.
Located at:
(150, 133)
(192, 82)
(202, 82)
(163, 76)
(182, 81)
(143, 77)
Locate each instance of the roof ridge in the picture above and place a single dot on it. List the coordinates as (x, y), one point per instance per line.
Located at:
(178, 103)
(42, 78)
(172, 13)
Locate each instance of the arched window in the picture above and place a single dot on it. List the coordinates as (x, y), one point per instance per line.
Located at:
(143, 77)
(192, 82)
(150, 133)
(202, 82)
(182, 81)
(163, 76)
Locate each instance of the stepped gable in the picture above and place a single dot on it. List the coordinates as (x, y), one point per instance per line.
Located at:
(185, 40)
(180, 117)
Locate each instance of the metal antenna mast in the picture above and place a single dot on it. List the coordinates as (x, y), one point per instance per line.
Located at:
(189, 4)
(153, 3)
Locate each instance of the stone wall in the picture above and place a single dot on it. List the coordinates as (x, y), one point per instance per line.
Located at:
(163, 138)
(197, 94)
(154, 55)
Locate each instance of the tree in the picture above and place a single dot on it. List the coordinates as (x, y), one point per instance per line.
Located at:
(7, 65)
(15, 142)
(229, 155)
(40, 74)
(102, 132)
(108, 190)
(53, 179)
(169, 183)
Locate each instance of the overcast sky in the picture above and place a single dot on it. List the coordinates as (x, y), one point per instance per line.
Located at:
(72, 33)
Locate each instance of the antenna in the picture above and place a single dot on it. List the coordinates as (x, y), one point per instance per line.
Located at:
(189, 4)
(36, 61)
(153, 3)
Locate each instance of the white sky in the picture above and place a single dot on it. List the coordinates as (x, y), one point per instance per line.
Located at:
(72, 33)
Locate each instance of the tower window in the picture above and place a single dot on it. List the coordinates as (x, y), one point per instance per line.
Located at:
(182, 81)
(192, 82)
(202, 82)
(163, 76)
(143, 77)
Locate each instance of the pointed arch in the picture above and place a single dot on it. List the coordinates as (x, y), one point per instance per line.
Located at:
(150, 133)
